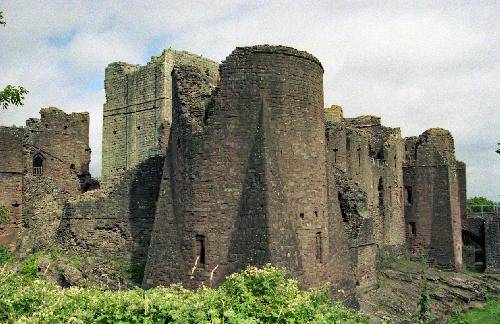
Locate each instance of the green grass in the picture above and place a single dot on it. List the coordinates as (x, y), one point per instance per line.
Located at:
(251, 296)
(489, 314)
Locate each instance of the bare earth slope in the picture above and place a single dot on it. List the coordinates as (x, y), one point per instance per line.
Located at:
(399, 288)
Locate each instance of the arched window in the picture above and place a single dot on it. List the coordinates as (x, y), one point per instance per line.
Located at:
(38, 165)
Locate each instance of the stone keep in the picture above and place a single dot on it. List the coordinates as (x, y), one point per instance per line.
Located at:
(245, 179)
(138, 110)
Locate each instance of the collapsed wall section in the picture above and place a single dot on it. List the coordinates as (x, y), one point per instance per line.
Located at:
(376, 161)
(432, 203)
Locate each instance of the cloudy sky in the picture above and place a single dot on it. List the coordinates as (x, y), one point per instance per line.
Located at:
(417, 66)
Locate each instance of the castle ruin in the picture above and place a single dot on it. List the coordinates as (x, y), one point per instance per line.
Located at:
(208, 168)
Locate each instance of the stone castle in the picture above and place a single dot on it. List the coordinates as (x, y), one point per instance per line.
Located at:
(208, 168)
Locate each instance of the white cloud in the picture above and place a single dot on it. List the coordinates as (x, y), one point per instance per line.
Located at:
(417, 65)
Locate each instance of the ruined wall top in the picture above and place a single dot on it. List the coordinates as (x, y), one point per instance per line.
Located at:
(334, 114)
(52, 117)
(365, 121)
(272, 49)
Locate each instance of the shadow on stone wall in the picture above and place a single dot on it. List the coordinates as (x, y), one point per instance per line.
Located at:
(143, 195)
(249, 244)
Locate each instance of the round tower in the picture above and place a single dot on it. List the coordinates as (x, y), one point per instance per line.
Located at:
(276, 93)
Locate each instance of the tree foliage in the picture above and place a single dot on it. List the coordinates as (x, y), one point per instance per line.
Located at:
(11, 95)
(475, 204)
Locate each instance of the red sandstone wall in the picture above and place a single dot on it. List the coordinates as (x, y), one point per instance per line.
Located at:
(433, 216)
(247, 172)
(63, 141)
(11, 181)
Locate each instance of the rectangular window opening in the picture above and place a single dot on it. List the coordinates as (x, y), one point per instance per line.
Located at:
(412, 229)
(319, 248)
(200, 250)
(408, 196)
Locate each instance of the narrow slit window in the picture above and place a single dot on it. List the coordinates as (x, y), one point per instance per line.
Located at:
(408, 196)
(200, 250)
(359, 158)
(348, 144)
(335, 155)
(319, 248)
(412, 229)
(301, 215)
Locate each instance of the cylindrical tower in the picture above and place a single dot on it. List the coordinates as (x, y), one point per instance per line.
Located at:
(280, 90)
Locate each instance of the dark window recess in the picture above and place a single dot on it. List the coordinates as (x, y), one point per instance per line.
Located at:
(178, 142)
(38, 165)
(319, 248)
(72, 166)
(301, 215)
(412, 229)
(335, 155)
(380, 194)
(316, 213)
(348, 144)
(200, 250)
(343, 207)
(408, 196)
(359, 157)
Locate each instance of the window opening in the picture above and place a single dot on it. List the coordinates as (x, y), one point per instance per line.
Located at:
(408, 196)
(335, 155)
(412, 229)
(38, 165)
(319, 248)
(200, 250)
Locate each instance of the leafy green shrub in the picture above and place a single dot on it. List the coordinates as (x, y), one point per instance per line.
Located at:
(29, 267)
(489, 314)
(5, 255)
(4, 216)
(252, 296)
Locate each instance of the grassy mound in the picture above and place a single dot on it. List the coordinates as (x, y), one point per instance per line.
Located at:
(251, 296)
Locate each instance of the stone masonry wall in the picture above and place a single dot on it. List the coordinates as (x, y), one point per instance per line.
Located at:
(11, 182)
(432, 207)
(62, 140)
(138, 110)
(254, 158)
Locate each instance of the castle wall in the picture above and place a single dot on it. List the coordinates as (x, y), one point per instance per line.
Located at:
(462, 188)
(138, 111)
(63, 142)
(60, 142)
(376, 163)
(11, 182)
(255, 158)
(432, 207)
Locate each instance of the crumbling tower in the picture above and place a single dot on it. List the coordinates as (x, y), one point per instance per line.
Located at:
(432, 198)
(138, 111)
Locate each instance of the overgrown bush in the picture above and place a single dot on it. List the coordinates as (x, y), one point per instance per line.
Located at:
(4, 216)
(252, 296)
(5, 255)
